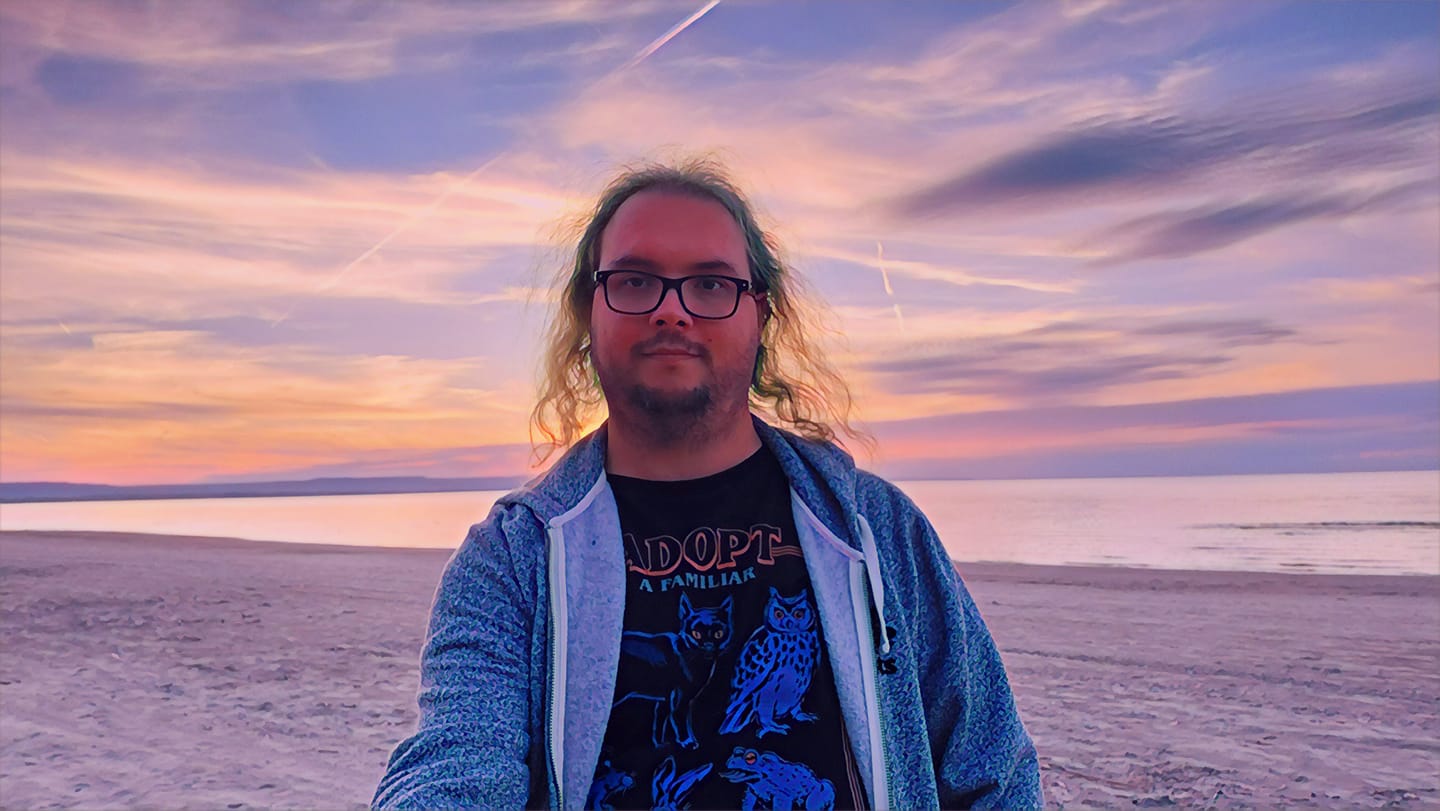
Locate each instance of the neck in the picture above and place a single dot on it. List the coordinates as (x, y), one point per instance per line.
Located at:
(633, 451)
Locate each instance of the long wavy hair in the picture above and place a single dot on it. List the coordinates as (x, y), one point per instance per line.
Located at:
(792, 385)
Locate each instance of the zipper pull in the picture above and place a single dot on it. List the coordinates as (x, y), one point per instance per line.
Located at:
(886, 661)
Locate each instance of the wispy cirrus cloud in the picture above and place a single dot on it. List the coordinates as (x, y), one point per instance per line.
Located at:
(1214, 226)
(473, 460)
(218, 44)
(152, 405)
(1028, 60)
(1130, 203)
(158, 240)
(1327, 428)
(1134, 155)
(990, 372)
(1072, 360)
(1225, 332)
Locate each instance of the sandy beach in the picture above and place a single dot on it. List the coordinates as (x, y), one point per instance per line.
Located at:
(162, 672)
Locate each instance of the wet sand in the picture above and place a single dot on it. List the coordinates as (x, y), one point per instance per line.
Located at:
(163, 672)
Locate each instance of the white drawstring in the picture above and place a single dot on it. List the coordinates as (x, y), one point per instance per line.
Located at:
(877, 585)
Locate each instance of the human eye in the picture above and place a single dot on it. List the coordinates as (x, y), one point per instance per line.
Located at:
(633, 281)
(714, 284)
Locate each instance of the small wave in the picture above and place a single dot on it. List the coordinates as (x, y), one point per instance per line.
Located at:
(1302, 526)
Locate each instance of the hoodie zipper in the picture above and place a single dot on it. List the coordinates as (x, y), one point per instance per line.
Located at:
(559, 635)
(555, 678)
(870, 676)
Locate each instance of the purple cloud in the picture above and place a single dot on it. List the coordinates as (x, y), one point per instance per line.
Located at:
(1039, 363)
(1193, 231)
(1354, 428)
(1156, 152)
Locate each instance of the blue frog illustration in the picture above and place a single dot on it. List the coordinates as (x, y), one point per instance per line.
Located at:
(776, 782)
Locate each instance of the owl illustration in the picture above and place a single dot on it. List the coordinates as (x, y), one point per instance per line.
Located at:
(775, 668)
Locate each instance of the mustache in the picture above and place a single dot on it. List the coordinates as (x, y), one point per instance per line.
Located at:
(664, 342)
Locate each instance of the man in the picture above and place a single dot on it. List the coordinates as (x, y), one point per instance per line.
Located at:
(693, 608)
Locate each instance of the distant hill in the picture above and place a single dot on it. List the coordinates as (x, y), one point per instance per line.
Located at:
(65, 491)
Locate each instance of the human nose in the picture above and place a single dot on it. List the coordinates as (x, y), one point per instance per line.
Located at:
(670, 310)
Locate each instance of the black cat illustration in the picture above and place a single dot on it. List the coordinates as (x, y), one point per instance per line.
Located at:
(609, 781)
(679, 664)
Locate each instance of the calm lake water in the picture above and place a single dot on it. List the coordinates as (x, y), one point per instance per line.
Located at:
(1373, 523)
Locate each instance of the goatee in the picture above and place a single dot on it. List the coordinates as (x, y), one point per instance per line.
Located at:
(673, 418)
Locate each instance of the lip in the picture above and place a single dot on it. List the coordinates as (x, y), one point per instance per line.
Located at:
(671, 353)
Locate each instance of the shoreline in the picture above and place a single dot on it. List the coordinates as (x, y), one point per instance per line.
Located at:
(1120, 576)
(51, 492)
(174, 671)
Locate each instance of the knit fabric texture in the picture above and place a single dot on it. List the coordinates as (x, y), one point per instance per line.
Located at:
(951, 735)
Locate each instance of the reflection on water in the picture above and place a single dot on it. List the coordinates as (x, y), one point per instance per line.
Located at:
(401, 519)
(1380, 523)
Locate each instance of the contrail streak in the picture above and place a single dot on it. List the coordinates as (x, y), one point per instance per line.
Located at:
(885, 277)
(419, 215)
(641, 56)
(649, 50)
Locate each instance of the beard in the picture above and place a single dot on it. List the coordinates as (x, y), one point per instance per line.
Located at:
(676, 417)
(671, 417)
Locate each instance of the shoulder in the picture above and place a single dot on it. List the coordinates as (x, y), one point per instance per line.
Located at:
(565, 483)
(902, 532)
(518, 519)
(509, 546)
(509, 543)
(510, 522)
(880, 500)
(820, 458)
(499, 567)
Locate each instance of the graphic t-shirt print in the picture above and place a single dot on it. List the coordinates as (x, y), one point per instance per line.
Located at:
(674, 667)
(775, 668)
(724, 693)
(710, 557)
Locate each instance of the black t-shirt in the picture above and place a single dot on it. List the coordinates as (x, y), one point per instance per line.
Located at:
(725, 697)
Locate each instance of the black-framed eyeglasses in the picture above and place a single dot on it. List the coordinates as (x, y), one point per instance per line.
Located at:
(635, 292)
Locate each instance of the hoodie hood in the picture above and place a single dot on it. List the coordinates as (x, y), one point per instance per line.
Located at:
(821, 473)
(561, 487)
(932, 722)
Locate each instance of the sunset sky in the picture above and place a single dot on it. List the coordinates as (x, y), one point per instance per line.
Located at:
(274, 240)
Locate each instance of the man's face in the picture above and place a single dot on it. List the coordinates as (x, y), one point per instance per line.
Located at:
(668, 367)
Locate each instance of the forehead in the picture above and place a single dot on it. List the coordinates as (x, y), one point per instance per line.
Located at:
(668, 227)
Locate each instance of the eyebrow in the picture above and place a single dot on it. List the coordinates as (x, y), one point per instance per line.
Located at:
(630, 262)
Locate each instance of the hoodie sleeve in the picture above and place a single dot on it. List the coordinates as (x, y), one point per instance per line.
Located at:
(470, 747)
(983, 757)
(989, 760)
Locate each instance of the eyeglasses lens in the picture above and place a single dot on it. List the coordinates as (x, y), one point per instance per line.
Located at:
(702, 296)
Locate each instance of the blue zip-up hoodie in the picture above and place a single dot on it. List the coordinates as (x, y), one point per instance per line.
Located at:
(518, 670)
